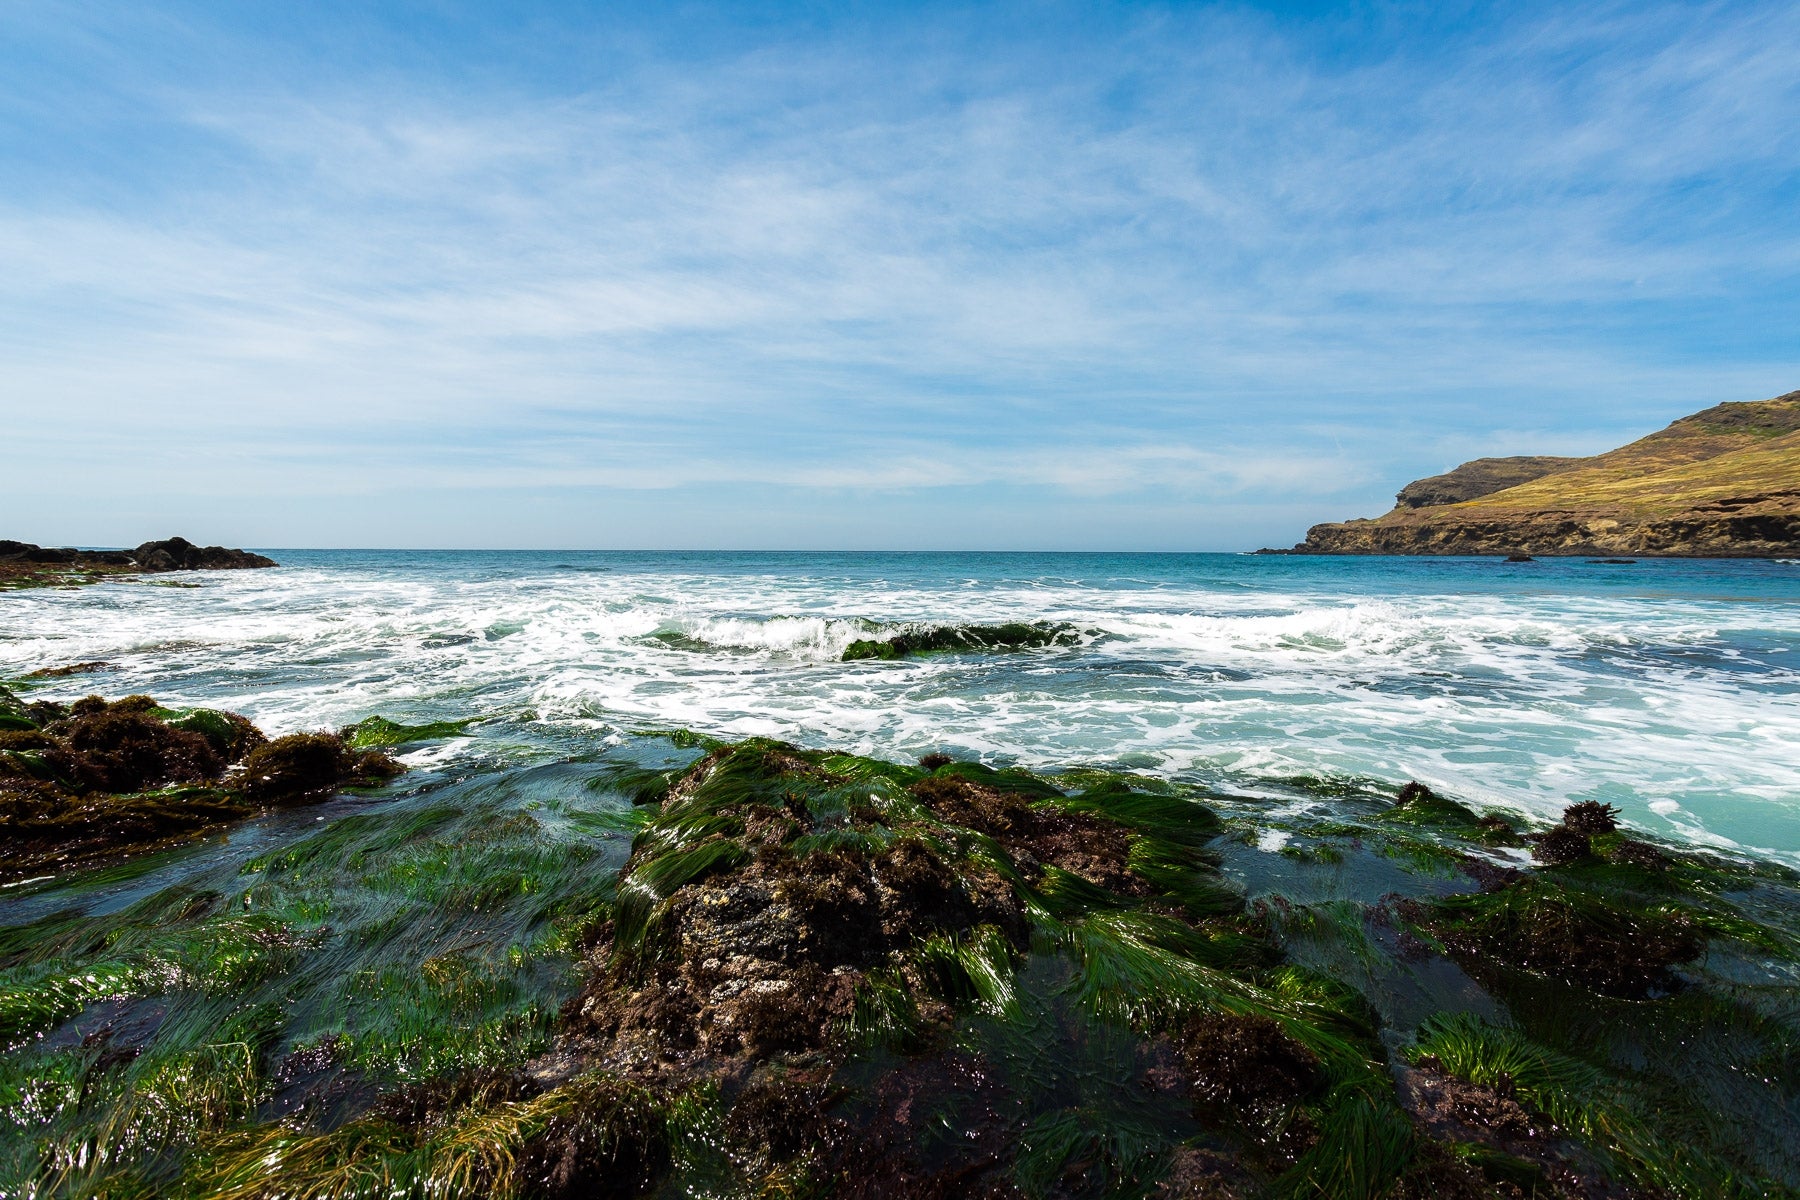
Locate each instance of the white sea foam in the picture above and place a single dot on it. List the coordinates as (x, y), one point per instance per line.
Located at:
(1671, 703)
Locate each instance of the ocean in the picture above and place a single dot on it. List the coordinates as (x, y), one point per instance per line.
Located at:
(1668, 688)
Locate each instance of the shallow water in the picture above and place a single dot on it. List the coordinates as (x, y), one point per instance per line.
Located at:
(1668, 688)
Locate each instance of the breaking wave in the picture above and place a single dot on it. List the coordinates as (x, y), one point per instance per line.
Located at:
(1671, 691)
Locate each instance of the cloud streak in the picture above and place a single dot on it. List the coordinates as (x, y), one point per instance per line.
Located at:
(1190, 255)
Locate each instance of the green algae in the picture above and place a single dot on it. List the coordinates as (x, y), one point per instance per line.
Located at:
(377, 732)
(1057, 977)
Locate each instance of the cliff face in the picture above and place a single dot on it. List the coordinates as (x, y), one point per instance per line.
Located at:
(1721, 483)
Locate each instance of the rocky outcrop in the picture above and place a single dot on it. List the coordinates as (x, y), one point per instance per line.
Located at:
(93, 781)
(1480, 477)
(1723, 483)
(23, 564)
(179, 554)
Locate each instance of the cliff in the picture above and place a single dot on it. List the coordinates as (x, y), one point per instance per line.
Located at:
(1723, 483)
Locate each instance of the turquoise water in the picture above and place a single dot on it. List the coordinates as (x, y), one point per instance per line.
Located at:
(1668, 688)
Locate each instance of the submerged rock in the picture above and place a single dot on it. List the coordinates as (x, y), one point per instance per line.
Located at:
(939, 639)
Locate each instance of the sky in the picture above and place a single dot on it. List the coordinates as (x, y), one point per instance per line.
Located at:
(860, 276)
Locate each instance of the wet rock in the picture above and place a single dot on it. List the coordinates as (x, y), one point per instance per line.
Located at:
(1590, 817)
(23, 564)
(1560, 846)
(80, 668)
(309, 766)
(1613, 945)
(1638, 854)
(938, 639)
(1246, 1062)
(612, 1140)
(86, 780)
(179, 554)
(121, 747)
(1096, 849)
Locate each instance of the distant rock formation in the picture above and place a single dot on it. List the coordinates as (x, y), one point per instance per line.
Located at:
(1480, 477)
(23, 564)
(1723, 483)
(179, 554)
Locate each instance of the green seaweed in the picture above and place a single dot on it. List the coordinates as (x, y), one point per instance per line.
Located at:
(377, 732)
(1065, 992)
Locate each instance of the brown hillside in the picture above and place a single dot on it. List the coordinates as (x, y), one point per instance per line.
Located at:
(1724, 482)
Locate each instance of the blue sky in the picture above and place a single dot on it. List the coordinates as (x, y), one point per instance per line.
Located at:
(914, 276)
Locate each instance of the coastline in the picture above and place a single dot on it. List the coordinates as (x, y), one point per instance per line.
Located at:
(785, 959)
(576, 947)
(25, 565)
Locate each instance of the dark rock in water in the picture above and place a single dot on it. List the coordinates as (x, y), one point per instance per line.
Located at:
(24, 565)
(80, 668)
(1413, 793)
(1616, 944)
(1591, 817)
(307, 766)
(1638, 854)
(1517, 558)
(122, 747)
(1560, 846)
(179, 554)
(85, 781)
(1612, 562)
(1246, 1062)
(1014, 635)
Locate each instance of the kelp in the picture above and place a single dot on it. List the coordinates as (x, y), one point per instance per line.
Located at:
(377, 732)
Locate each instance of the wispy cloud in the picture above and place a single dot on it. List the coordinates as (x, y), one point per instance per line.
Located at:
(1201, 255)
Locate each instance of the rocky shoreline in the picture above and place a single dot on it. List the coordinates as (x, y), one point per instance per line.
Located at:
(820, 974)
(24, 565)
(1723, 483)
(1765, 526)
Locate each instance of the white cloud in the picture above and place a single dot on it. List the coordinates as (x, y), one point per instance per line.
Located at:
(1165, 260)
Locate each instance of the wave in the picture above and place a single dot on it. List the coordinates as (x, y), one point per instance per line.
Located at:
(1528, 700)
(817, 639)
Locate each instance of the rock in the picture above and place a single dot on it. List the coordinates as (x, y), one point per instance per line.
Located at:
(24, 565)
(302, 767)
(92, 780)
(179, 554)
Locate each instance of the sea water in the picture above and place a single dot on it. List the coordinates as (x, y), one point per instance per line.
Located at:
(1669, 688)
